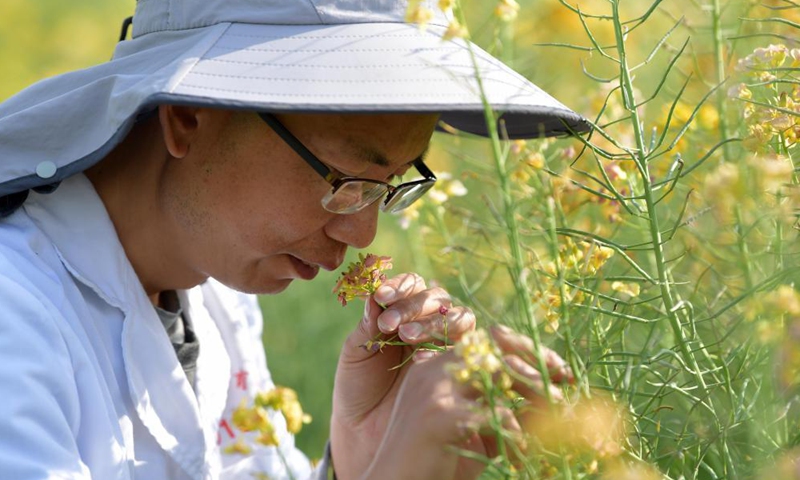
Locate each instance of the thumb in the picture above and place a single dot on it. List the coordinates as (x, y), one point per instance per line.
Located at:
(362, 342)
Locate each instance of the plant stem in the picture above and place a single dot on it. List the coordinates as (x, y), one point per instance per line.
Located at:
(640, 157)
(719, 55)
(572, 356)
(517, 262)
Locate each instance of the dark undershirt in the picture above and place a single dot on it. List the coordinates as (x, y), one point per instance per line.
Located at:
(180, 331)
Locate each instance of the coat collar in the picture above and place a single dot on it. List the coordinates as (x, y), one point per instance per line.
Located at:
(76, 221)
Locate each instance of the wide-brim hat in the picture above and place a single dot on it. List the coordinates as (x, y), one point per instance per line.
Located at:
(286, 56)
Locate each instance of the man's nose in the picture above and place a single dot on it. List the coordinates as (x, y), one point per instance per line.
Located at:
(356, 229)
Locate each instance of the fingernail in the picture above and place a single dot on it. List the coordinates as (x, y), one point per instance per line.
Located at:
(423, 355)
(411, 330)
(384, 295)
(388, 321)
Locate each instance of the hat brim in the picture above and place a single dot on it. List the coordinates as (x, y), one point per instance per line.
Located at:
(75, 119)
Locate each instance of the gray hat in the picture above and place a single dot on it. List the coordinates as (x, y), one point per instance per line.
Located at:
(265, 55)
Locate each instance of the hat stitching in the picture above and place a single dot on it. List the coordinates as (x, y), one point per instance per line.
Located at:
(197, 60)
(344, 80)
(337, 50)
(311, 65)
(305, 94)
(327, 37)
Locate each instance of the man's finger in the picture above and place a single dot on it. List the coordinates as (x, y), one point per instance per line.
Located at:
(398, 287)
(413, 307)
(445, 327)
(513, 343)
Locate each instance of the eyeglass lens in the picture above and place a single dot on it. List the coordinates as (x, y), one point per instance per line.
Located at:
(354, 196)
(405, 195)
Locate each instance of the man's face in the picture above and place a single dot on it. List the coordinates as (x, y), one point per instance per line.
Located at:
(248, 209)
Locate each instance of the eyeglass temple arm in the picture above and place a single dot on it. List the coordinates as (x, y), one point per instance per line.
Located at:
(298, 147)
(424, 170)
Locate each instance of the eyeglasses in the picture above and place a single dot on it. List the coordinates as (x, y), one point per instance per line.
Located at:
(352, 194)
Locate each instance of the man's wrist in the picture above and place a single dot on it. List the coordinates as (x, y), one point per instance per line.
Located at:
(349, 451)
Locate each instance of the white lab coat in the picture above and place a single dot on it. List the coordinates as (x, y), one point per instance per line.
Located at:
(90, 386)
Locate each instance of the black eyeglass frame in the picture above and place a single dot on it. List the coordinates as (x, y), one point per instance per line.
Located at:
(335, 179)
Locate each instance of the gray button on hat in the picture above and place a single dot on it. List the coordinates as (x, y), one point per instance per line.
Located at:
(46, 169)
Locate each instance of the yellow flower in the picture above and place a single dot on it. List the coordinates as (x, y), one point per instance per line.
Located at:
(268, 437)
(628, 290)
(249, 419)
(631, 470)
(455, 30)
(478, 356)
(285, 400)
(535, 160)
(722, 187)
(773, 172)
(708, 117)
(597, 255)
(520, 176)
(593, 426)
(772, 56)
(758, 136)
(238, 447)
(518, 146)
(446, 5)
(362, 278)
(506, 10)
(740, 91)
(794, 54)
(419, 14)
(787, 299)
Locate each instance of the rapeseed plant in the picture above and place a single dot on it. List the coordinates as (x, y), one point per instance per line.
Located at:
(659, 254)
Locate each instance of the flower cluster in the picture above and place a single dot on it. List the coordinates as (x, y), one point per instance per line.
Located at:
(255, 418)
(417, 12)
(506, 10)
(763, 60)
(590, 431)
(478, 357)
(362, 278)
(772, 109)
(772, 310)
(575, 261)
(762, 181)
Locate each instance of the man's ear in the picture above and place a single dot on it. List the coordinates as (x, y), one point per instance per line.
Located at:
(179, 127)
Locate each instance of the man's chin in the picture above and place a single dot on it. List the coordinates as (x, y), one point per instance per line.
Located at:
(270, 287)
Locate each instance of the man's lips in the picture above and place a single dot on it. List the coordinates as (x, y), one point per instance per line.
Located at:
(306, 271)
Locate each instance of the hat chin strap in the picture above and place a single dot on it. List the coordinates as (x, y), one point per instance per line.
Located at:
(126, 24)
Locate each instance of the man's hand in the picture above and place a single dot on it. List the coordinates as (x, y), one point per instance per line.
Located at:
(367, 382)
(397, 423)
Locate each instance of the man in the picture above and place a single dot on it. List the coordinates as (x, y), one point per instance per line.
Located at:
(231, 146)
